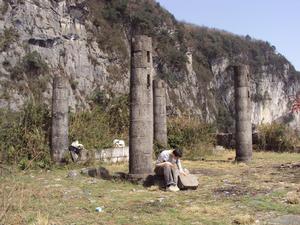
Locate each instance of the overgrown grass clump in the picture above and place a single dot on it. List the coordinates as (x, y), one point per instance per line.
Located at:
(25, 135)
(107, 120)
(193, 136)
(276, 137)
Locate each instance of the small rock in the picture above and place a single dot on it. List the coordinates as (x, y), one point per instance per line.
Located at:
(160, 199)
(100, 172)
(285, 220)
(242, 164)
(84, 171)
(243, 219)
(72, 174)
(293, 197)
(93, 181)
(86, 192)
(218, 148)
(153, 188)
(92, 200)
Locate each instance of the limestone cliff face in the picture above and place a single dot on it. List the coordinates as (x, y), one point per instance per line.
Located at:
(58, 32)
(272, 92)
(63, 34)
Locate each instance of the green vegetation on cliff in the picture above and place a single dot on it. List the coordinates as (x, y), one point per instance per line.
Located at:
(172, 40)
(120, 19)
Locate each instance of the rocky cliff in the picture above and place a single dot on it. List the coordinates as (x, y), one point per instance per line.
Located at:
(89, 42)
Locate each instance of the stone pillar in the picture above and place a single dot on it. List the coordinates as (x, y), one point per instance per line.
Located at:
(141, 107)
(60, 108)
(160, 112)
(243, 129)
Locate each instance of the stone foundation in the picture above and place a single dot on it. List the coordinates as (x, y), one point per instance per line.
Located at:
(112, 155)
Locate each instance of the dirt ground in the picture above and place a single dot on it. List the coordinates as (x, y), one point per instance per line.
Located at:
(228, 193)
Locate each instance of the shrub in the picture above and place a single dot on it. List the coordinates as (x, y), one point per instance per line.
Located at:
(108, 120)
(34, 70)
(9, 36)
(194, 137)
(116, 108)
(224, 120)
(118, 112)
(91, 128)
(24, 136)
(276, 137)
(115, 10)
(100, 99)
(31, 64)
(34, 64)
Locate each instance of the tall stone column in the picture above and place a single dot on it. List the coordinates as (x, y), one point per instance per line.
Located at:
(243, 131)
(160, 112)
(60, 108)
(141, 107)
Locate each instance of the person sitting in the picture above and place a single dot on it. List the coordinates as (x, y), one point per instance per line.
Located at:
(75, 149)
(169, 166)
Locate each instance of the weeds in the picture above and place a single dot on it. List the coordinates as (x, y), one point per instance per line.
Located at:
(24, 135)
(194, 137)
(276, 137)
(9, 36)
(91, 129)
(49, 197)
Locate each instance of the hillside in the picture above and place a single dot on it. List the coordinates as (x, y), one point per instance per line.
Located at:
(89, 41)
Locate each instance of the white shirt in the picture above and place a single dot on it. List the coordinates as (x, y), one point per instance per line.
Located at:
(167, 156)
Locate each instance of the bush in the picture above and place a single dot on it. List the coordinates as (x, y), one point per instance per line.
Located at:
(24, 136)
(115, 10)
(31, 64)
(9, 36)
(34, 70)
(276, 137)
(224, 120)
(34, 64)
(91, 128)
(194, 137)
(118, 112)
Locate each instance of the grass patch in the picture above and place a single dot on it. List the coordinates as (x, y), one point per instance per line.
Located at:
(48, 197)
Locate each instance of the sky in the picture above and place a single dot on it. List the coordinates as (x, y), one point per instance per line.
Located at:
(275, 21)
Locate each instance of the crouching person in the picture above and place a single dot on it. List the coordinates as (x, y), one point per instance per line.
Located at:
(169, 166)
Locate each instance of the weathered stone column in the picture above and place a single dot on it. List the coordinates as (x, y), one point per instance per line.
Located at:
(243, 130)
(141, 107)
(160, 113)
(60, 108)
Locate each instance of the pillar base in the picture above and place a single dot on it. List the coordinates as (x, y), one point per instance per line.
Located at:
(244, 159)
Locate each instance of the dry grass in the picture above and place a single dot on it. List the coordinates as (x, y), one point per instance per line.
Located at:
(229, 193)
(244, 220)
